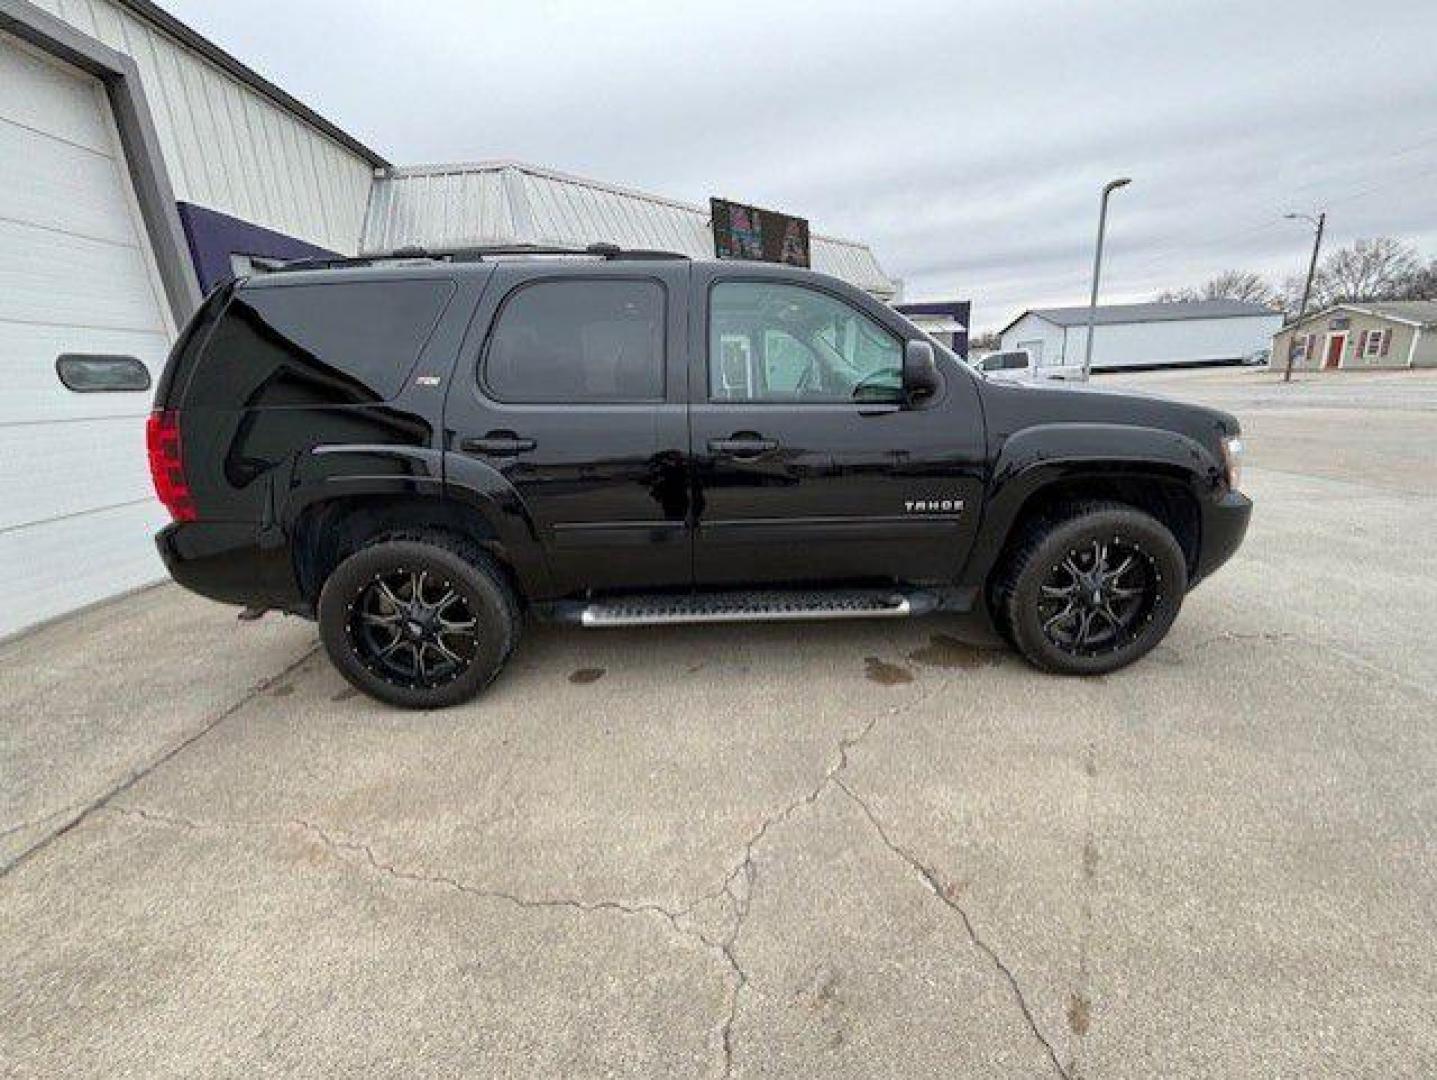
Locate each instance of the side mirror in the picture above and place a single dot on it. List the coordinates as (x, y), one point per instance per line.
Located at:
(920, 371)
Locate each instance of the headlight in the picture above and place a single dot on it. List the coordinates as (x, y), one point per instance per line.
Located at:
(1232, 461)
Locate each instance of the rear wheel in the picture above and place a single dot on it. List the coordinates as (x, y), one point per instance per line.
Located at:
(1092, 590)
(419, 622)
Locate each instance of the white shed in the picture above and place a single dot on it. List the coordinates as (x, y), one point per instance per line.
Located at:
(1144, 335)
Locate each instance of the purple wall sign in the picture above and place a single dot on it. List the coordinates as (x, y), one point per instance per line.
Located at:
(958, 310)
(214, 237)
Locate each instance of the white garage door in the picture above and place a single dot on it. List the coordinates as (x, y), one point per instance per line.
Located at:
(76, 276)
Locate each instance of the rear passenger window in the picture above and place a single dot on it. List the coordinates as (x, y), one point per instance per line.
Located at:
(343, 343)
(577, 341)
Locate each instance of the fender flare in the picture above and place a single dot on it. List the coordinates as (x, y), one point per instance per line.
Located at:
(480, 487)
(1038, 457)
(483, 504)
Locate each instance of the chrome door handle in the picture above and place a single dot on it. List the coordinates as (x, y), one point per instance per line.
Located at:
(497, 442)
(743, 446)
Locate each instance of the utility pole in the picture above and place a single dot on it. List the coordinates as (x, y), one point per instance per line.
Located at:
(1108, 189)
(1318, 223)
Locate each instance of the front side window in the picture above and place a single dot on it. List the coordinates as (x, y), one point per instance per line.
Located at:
(773, 342)
(578, 341)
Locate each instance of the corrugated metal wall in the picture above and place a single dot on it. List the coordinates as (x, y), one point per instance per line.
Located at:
(504, 202)
(441, 209)
(232, 149)
(228, 147)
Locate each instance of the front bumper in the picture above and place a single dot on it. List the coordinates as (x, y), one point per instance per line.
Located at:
(226, 562)
(1224, 524)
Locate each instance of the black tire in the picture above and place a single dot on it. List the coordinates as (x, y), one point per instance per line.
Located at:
(398, 651)
(1064, 612)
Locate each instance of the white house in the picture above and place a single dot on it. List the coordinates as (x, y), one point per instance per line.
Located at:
(1144, 335)
(1373, 334)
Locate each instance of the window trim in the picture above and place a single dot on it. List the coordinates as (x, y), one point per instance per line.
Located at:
(1372, 343)
(481, 364)
(814, 287)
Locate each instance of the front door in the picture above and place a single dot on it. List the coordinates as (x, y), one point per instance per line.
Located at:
(572, 390)
(809, 466)
(1335, 344)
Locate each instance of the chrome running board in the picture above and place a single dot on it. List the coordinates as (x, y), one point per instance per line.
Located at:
(664, 609)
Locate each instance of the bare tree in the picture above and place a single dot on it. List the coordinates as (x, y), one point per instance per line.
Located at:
(1421, 284)
(1176, 296)
(1377, 269)
(1240, 285)
(1229, 285)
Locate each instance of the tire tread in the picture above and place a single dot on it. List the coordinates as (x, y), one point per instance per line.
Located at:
(1034, 535)
(485, 567)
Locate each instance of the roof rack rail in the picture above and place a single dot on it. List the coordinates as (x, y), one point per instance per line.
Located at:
(329, 262)
(478, 254)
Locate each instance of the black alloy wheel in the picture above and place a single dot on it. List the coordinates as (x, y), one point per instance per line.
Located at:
(422, 621)
(1099, 596)
(1091, 589)
(413, 629)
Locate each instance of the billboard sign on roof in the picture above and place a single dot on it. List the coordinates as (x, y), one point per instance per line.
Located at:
(746, 232)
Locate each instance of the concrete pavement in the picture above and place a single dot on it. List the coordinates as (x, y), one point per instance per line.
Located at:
(843, 850)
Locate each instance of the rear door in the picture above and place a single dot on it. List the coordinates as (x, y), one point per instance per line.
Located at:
(572, 388)
(809, 466)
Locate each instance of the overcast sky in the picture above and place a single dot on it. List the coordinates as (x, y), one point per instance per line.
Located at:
(965, 143)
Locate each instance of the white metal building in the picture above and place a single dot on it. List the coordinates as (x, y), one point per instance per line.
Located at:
(1144, 335)
(139, 166)
(112, 127)
(508, 202)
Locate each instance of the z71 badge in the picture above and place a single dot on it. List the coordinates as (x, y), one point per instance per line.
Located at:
(933, 506)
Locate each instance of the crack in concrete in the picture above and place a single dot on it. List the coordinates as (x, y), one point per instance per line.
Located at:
(930, 878)
(10, 830)
(1271, 637)
(343, 843)
(747, 868)
(1279, 637)
(103, 800)
(736, 889)
(1079, 1010)
(346, 846)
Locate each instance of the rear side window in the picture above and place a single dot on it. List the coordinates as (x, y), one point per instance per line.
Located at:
(333, 344)
(577, 341)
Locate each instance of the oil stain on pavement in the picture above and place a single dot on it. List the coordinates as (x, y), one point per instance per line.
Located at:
(943, 651)
(884, 673)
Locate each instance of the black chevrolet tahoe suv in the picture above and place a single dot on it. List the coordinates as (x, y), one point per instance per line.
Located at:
(420, 451)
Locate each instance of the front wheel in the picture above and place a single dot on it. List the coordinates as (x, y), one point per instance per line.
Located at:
(421, 623)
(1094, 590)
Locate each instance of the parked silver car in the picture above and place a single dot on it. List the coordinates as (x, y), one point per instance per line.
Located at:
(1016, 365)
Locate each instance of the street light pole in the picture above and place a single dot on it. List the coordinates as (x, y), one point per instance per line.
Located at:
(1319, 223)
(1108, 189)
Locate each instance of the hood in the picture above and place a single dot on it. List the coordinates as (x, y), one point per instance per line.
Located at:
(1009, 408)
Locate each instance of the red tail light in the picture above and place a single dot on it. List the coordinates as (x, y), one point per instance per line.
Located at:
(162, 436)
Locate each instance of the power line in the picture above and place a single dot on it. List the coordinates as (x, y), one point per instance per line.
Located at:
(1152, 258)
